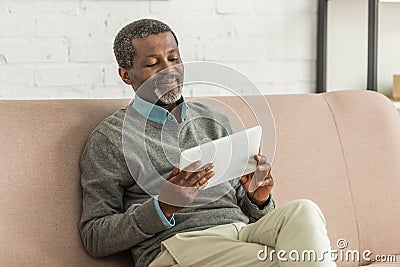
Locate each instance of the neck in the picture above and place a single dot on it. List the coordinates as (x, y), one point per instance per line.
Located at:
(170, 108)
(173, 108)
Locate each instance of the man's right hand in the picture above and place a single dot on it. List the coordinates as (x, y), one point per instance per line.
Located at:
(182, 187)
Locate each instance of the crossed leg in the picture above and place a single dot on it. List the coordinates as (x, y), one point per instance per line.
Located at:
(297, 228)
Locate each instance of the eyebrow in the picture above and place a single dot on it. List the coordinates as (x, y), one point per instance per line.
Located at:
(169, 52)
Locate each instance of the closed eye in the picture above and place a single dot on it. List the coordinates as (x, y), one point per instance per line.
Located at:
(152, 65)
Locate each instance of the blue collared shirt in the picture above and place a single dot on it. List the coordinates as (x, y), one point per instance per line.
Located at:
(156, 113)
(160, 115)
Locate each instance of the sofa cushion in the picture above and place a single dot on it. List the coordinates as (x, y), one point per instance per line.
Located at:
(369, 130)
(40, 195)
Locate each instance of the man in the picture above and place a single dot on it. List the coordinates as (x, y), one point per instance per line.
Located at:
(178, 226)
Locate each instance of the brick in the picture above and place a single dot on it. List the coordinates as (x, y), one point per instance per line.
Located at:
(111, 76)
(60, 6)
(183, 6)
(230, 78)
(198, 28)
(69, 75)
(16, 74)
(12, 92)
(114, 9)
(189, 50)
(227, 6)
(57, 92)
(17, 26)
(266, 7)
(254, 71)
(20, 7)
(3, 60)
(298, 6)
(29, 7)
(91, 52)
(277, 71)
(262, 27)
(114, 15)
(293, 38)
(234, 7)
(3, 7)
(34, 50)
(271, 72)
(236, 50)
(284, 7)
(71, 27)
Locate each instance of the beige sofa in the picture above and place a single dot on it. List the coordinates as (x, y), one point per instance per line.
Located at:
(340, 149)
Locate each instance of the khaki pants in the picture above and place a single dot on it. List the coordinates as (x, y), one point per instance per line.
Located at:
(298, 226)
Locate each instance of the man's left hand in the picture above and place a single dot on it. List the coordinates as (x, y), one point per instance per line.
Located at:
(259, 183)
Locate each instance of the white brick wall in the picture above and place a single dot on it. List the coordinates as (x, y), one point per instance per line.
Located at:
(63, 49)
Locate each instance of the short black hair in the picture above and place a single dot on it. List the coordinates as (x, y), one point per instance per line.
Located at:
(123, 48)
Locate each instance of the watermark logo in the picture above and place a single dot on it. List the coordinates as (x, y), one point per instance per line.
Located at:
(342, 254)
(342, 243)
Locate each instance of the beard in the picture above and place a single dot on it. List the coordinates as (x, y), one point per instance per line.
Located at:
(170, 97)
(169, 93)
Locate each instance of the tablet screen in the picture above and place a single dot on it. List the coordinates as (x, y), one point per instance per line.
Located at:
(232, 155)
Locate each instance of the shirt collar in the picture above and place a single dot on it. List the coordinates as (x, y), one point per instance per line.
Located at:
(156, 113)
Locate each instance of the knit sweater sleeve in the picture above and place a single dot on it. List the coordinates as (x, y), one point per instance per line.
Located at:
(251, 210)
(106, 226)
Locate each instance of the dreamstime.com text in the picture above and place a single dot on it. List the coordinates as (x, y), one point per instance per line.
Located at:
(341, 254)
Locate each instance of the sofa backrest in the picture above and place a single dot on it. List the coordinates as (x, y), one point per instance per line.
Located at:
(340, 149)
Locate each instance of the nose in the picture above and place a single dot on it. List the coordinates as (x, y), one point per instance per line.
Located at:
(166, 66)
(167, 70)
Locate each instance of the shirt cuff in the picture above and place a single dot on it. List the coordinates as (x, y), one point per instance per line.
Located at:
(169, 223)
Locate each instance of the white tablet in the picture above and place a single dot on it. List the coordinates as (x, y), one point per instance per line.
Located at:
(232, 155)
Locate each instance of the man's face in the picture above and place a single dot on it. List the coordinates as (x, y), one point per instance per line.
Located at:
(157, 54)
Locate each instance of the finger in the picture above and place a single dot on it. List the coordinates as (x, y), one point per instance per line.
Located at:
(206, 167)
(204, 185)
(197, 176)
(174, 172)
(244, 179)
(263, 167)
(267, 182)
(193, 166)
(203, 181)
(257, 158)
(261, 159)
(182, 174)
(187, 171)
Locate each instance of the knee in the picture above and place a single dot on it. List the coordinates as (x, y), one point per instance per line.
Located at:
(306, 212)
(305, 204)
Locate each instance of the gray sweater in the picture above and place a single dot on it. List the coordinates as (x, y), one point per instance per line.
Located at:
(118, 214)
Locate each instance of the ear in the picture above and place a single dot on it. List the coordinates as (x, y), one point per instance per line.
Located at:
(125, 75)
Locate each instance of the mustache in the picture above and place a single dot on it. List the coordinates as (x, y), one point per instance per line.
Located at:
(168, 78)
